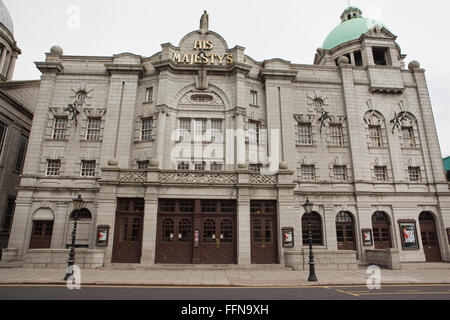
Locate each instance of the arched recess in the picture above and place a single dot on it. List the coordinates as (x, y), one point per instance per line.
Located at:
(42, 230)
(430, 237)
(381, 230)
(84, 229)
(316, 228)
(345, 231)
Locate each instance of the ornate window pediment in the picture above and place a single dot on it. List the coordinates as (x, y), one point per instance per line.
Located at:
(208, 98)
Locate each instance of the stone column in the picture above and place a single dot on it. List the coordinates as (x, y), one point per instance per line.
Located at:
(60, 231)
(330, 227)
(11, 66)
(3, 59)
(243, 227)
(150, 228)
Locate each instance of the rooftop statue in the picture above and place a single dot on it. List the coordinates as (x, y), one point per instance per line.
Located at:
(204, 21)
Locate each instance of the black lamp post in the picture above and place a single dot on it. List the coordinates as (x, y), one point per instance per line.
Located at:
(308, 206)
(78, 204)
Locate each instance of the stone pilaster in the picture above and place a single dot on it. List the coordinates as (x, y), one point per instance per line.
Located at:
(243, 228)
(150, 230)
(60, 224)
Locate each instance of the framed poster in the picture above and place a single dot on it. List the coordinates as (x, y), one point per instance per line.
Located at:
(408, 234)
(288, 237)
(367, 237)
(102, 236)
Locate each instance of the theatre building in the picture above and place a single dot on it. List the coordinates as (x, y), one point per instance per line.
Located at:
(200, 155)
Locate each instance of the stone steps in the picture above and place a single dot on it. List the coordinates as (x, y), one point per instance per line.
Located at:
(200, 267)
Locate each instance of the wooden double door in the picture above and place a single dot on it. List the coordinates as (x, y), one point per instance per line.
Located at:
(41, 235)
(430, 240)
(129, 226)
(196, 232)
(264, 238)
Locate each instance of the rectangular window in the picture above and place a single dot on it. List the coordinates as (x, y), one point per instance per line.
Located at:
(254, 98)
(149, 95)
(216, 130)
(414, 174)
(143, 165)
(336, 135)
(185, 130)
(305, 133)
(3, 128)
(93, 129)
(408, 137)
(21, 153)
(146, 130)
(308, 172)
(183, 166)
(53, 167)
(358, 58)
(199, 129)
(380, 173)
(60, 128)
(340, 173)
(256, 168)
(199, 166)
(215, 166)
(88, 168)
(9, 213)
(381, 56)
(253, 133)
(375, 139)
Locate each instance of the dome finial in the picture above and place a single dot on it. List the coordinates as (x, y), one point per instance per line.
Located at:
(351, 13)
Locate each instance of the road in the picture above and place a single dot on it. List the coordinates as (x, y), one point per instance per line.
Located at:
(55, 292)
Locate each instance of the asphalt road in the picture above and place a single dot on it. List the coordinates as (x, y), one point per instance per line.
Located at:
(54, 292)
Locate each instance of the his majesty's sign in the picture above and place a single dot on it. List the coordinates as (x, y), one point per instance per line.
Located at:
(203, 56)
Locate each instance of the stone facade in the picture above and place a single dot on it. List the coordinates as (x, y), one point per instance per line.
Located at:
(338, 103)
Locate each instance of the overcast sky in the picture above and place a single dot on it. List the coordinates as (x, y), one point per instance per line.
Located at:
(287, 29)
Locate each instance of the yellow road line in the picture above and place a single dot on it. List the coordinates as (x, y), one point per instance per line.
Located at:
(349, 293)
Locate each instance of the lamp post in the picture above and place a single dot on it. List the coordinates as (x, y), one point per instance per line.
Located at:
(308, 206)
(78, 204)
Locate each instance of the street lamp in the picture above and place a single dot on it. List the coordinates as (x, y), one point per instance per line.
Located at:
(78, 204)
(308, 206)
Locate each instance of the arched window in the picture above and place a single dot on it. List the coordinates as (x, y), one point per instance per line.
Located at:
(226, 231)
(345, 231)
(381, 230)
(316, 227)
(185, 230)
(42, 231)
(209, 231)
(168, 230)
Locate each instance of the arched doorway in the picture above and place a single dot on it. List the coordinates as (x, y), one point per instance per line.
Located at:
(316, 228)
(345, 231)
(430, 239)
(84, 225)
(381, 231)
(42, 230)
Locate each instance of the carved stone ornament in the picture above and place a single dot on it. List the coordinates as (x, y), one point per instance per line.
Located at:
(187, 177)
(208, 98)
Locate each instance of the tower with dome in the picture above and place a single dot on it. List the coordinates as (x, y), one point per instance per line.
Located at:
(199, 154)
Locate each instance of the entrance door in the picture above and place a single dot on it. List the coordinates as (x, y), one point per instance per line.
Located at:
(174, 241)
(41, 235)
(217, 245)
(345, 231)
(430, 240)
(264, 237)
(381, 231)
(128, 231)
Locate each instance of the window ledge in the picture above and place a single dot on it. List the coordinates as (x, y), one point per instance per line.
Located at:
(254, 105)
(147, 102)
(298, 144)
(144, 141)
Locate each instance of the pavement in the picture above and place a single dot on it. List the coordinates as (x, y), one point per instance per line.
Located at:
(438, 273)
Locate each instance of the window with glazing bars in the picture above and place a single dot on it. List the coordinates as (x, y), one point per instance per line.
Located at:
(93, 129)
(199, 166)
(308, 172)
(60, 128)
(21, 153)
(380, 173)
(183, 166)
(253, 133)
(199, 129)
(254, 98)
(216, 130)
(215, 166)
(414, 174)
(3, 128)
(143, 165)
(375, 139)
(305, 133)
(147, 126)
(53, 167)
(185, 130)
(408, 137)
(340, 173)
(254, 168)
(336, 135)
(88, 168)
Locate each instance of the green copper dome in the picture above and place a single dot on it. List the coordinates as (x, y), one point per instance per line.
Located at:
(352, 27)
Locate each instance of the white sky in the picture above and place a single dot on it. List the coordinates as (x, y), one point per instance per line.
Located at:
(287, 29)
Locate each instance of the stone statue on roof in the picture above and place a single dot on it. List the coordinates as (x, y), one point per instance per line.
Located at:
(204, 21)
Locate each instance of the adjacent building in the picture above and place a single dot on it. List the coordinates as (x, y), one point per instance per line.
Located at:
(199, 154)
